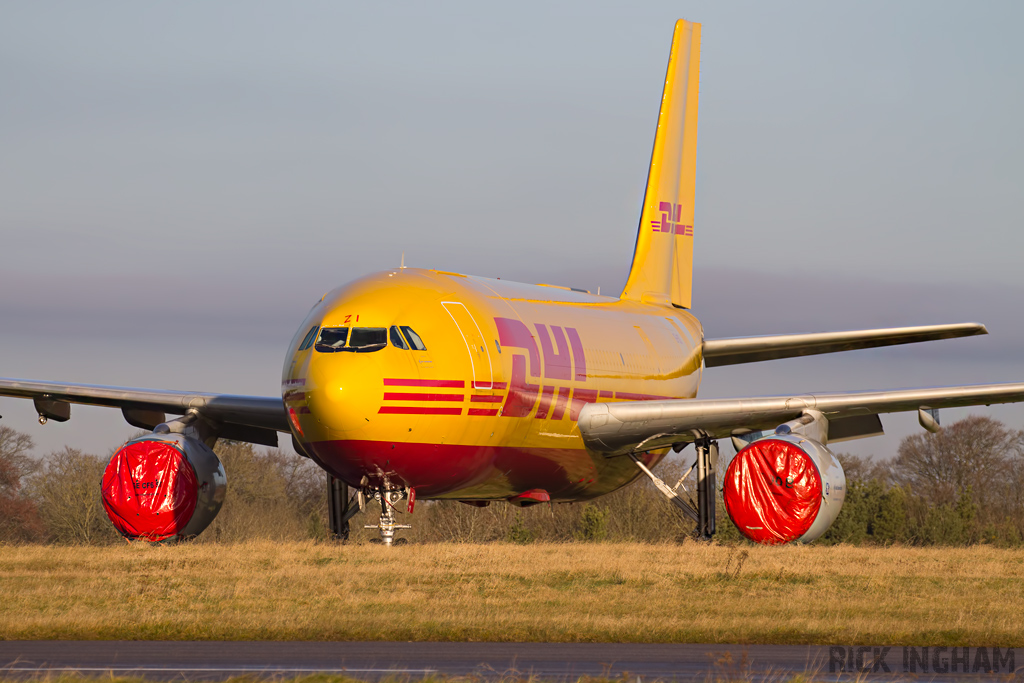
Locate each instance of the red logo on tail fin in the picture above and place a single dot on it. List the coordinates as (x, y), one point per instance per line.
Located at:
(670, 215)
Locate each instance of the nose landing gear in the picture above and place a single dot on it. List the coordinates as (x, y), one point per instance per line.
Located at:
(341, 507)
(388, 495)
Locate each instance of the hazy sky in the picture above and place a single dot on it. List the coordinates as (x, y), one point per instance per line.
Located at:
(179, 182)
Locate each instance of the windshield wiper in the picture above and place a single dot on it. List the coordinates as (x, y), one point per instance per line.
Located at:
(376, 345)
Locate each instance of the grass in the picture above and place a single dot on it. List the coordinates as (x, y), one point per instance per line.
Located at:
(585, 592)
(334, 678)
(726, 677)
(744, 677)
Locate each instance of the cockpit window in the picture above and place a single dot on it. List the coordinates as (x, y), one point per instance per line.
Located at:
(359, 339)
(396, 339)
(307, 341)
(414, 339)
(332, 339)
(368, 339)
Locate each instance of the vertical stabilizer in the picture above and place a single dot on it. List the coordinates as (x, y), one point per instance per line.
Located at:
(662, 269)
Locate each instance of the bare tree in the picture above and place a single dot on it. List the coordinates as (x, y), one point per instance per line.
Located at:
(15, 461)
(305, 484)
(19, 518)
(261, 497)
(67, 489)
(864, 469)
(973, 454)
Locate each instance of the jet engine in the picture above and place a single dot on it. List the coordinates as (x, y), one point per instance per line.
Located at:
(782, 488)
(163, 487)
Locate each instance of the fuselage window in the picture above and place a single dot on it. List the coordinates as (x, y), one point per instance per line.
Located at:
(307, 341)
(414, 339)
(396, 339)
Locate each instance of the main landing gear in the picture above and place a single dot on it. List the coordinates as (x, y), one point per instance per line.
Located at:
(341, 507)
(701, 511)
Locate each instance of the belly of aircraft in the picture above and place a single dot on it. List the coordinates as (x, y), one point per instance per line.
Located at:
(477, 472)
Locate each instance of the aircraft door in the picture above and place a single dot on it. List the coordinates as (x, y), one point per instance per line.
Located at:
(476, 345)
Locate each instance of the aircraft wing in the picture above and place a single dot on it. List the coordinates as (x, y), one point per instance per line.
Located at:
(753, 349)
(619, 428)
(255, 419)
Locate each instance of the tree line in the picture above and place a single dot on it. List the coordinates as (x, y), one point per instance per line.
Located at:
(960, 486)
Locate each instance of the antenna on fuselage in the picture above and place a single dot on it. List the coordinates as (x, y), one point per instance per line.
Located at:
(402, 266)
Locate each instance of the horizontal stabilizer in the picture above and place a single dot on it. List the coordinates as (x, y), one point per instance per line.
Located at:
(754, 349)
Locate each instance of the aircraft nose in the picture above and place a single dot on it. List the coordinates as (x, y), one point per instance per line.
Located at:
(345, 391)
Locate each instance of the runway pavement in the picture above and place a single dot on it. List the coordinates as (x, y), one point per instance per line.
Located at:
(162, 660)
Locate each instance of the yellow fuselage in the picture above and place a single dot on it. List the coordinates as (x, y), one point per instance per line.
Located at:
(488, 410)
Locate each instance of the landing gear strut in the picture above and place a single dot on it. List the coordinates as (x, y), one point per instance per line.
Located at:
(707, 460)
(341, 507)
(388, 495)
(703, 510)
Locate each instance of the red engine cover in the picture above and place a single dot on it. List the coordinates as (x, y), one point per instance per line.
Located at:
(149, 490)
(772, 491)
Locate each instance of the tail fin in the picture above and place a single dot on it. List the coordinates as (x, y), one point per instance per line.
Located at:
(662, 269)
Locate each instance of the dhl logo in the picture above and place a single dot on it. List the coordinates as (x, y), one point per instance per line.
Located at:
(670, 215)
(564, 359)
(558, 356)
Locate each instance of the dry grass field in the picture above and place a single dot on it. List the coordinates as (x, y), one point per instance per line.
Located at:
(599, 592)
(331, 678)
(313, 678)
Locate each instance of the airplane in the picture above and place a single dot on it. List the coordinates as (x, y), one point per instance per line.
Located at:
(415, 384)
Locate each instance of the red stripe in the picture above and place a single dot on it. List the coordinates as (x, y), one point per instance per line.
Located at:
(486, 399)
(487, 412)
(545, 402)
(580, 398)
(418, 410)
(451, 383)
(560, 400)
(422, 397)
(499, 385)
